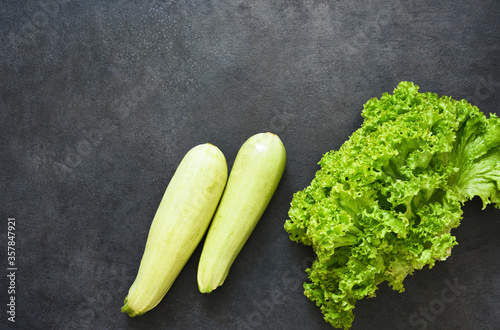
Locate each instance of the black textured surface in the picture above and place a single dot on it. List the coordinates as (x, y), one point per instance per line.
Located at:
(100, 100)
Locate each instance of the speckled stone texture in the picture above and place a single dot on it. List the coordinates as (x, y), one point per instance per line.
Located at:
(99, 101)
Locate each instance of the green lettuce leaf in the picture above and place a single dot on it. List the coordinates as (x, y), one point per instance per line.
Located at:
(384, 204)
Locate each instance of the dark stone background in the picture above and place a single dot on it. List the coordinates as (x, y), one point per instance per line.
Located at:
(101, 99)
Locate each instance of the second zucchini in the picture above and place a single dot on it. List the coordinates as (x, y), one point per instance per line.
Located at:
(255, 175)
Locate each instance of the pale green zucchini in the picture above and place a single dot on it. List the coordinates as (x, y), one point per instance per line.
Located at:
(178, 226)
(255, 175)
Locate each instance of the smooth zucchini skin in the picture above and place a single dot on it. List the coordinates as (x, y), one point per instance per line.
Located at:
(179, 224)
(255, 175)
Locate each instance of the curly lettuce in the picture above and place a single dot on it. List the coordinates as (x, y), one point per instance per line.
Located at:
(383, 205)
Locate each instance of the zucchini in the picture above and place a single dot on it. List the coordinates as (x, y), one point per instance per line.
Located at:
(255, 175)
(179, 224)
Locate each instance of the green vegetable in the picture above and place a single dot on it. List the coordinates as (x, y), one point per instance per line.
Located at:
(179, 224)
(384, 204)
(255, 175)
